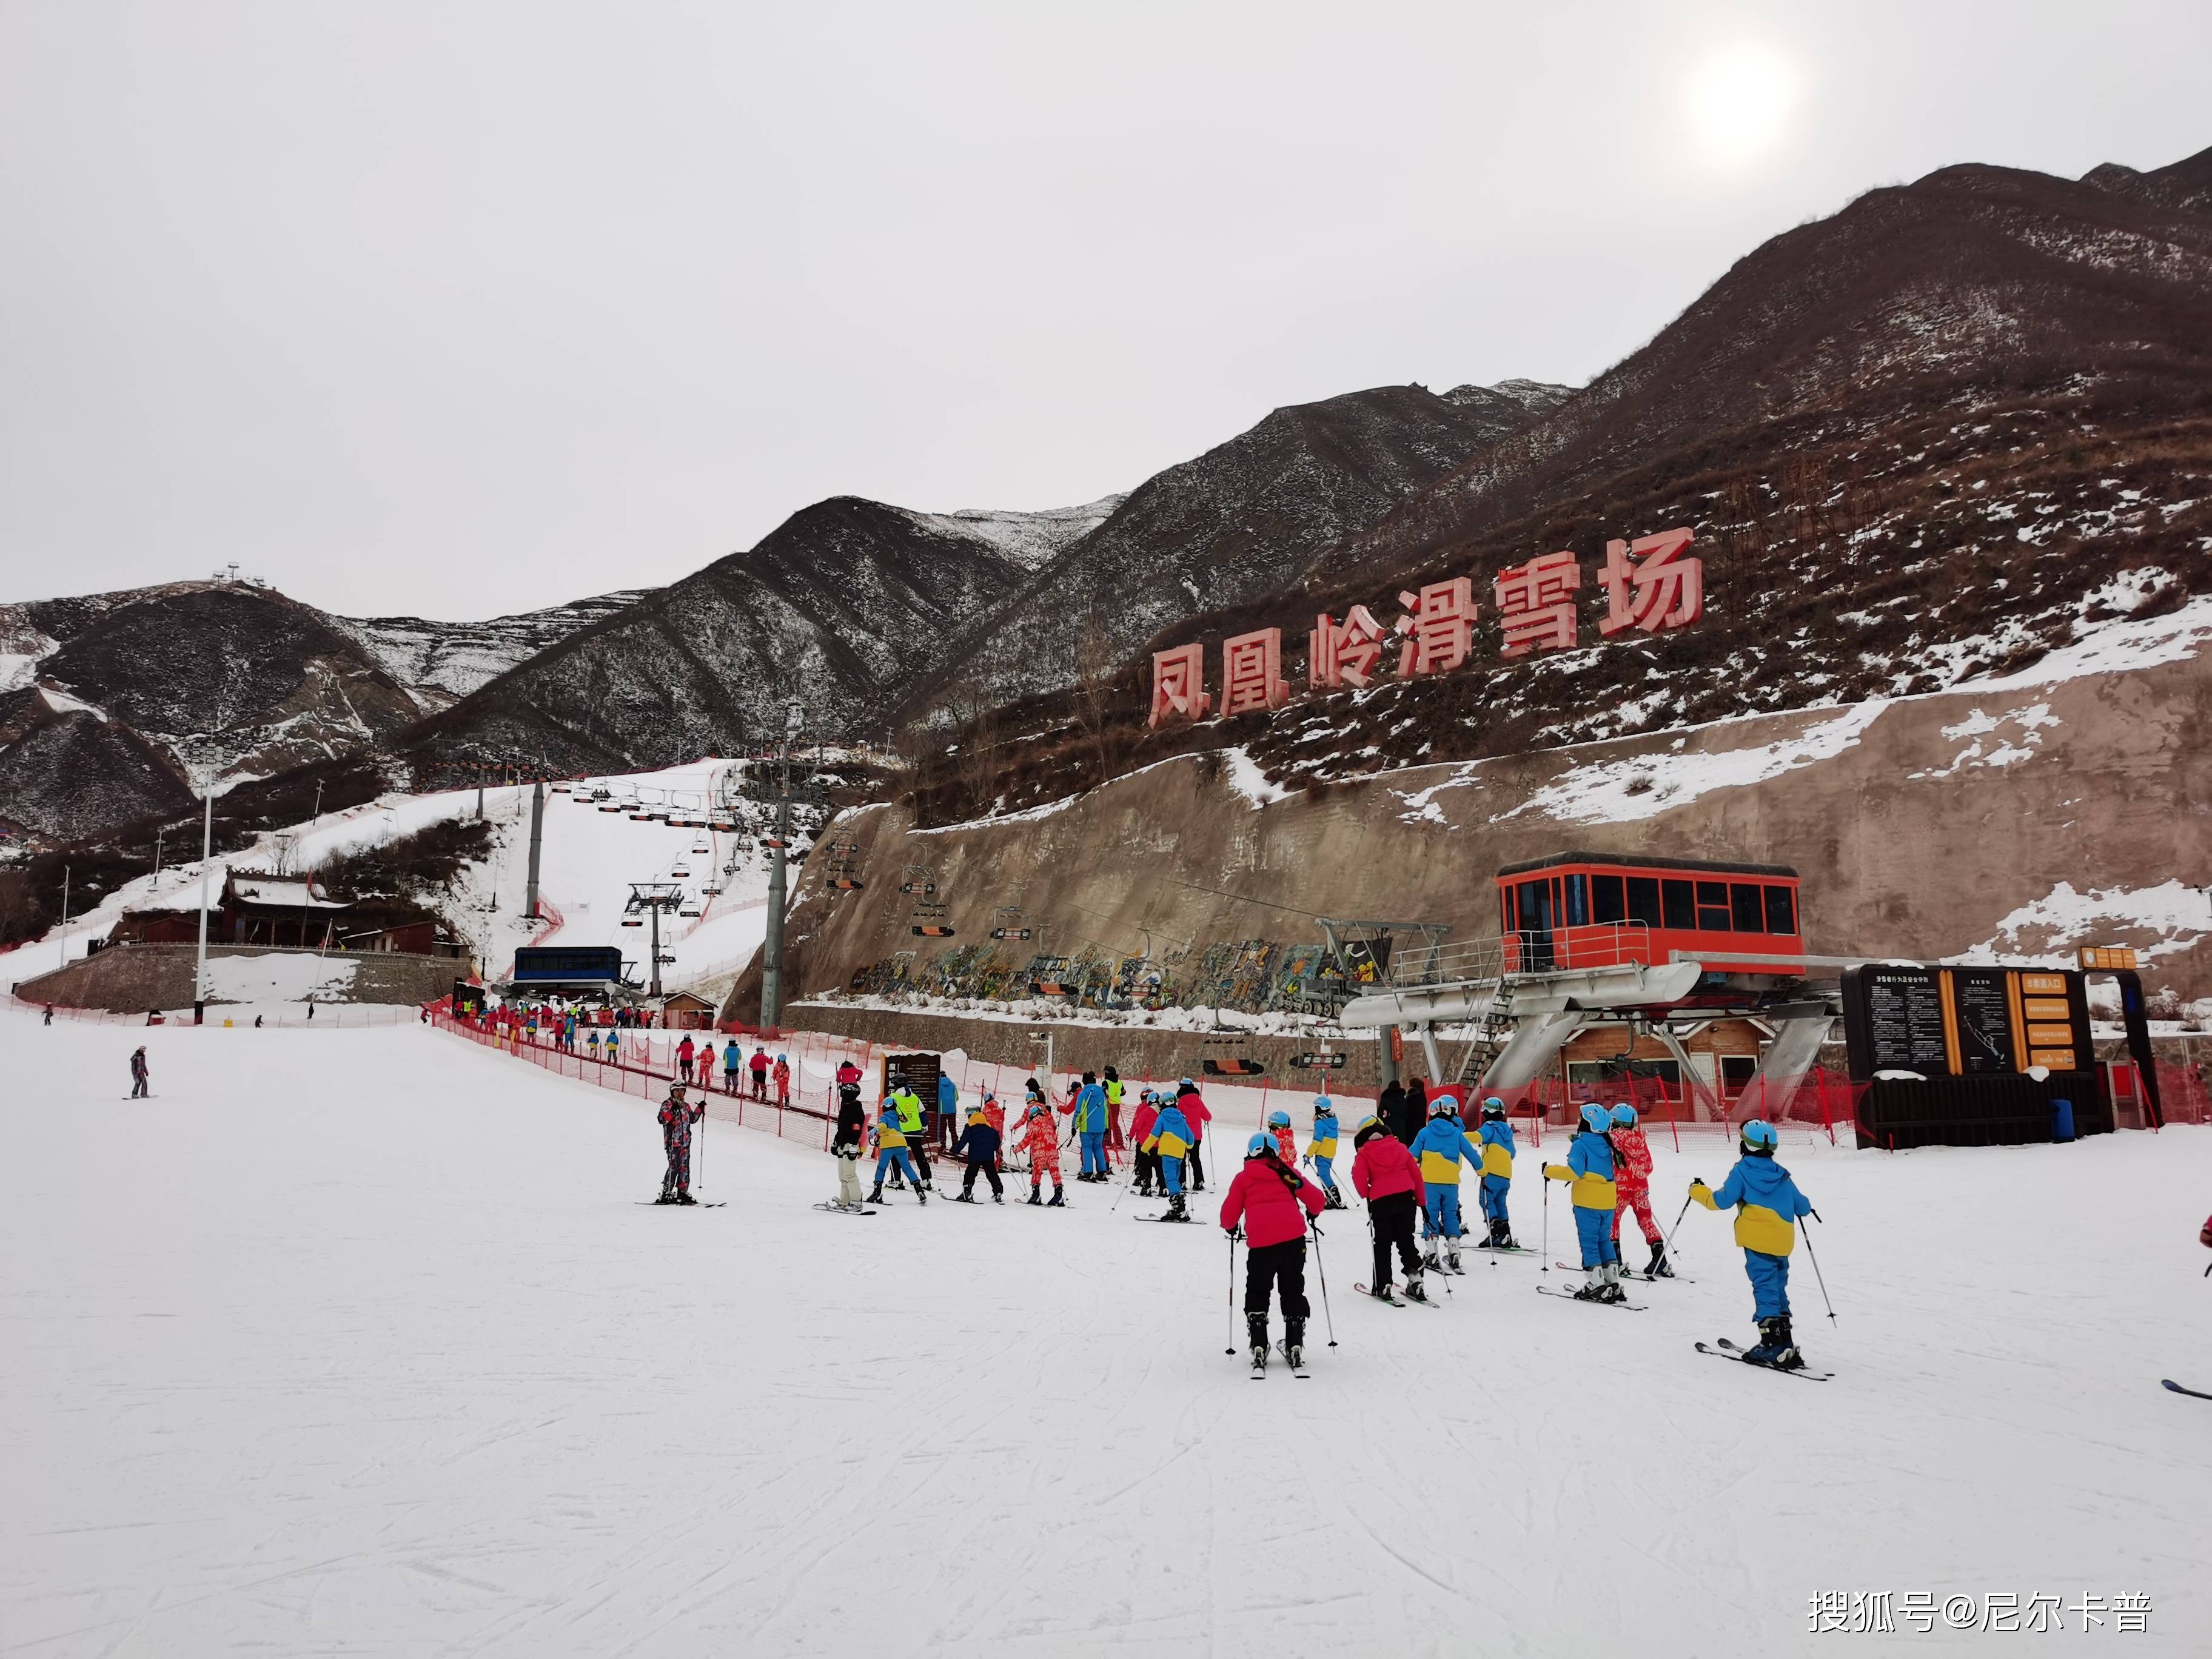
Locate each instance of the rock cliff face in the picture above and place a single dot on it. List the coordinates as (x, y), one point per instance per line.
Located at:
(442, 662)
(2064, 805)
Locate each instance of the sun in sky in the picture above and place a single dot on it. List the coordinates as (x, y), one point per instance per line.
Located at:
(1739, 98)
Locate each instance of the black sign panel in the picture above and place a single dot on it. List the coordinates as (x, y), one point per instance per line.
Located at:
(1894, 1020)
(1983, 999)
(1319, 1062)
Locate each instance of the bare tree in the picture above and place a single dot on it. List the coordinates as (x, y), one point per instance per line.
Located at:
(1095, 667)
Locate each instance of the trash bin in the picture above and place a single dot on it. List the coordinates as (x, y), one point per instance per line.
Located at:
(2062, 1120)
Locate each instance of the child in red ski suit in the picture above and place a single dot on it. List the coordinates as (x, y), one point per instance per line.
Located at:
(1041, 1140)
(782, 1075)
(1631, 1188)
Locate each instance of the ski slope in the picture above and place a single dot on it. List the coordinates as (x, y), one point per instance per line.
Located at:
(358, 1341)
(587, 864)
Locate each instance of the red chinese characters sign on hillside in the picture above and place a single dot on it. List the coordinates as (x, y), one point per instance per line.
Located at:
(1650, 583)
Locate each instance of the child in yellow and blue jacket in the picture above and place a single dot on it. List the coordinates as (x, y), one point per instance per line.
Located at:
(1497, 1149)
(1321, 1149)
(1767, 1204)
(1438, 1149)
(1589, 1166)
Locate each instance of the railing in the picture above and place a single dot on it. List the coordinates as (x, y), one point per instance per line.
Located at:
(1590, 945)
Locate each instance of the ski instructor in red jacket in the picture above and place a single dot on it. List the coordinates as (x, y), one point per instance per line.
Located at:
(1272, 1201)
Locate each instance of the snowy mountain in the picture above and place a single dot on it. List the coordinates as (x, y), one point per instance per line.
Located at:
(1247, 520)
(442, 662)
(842, 605)
(1958, 425)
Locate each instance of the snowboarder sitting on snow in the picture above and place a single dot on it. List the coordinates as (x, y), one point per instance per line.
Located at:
(1633, 1183)
(1767, 1204)
(1497, 1149)
(677, 1116)
(1041, 1142)
(1170, 1138)
(852, 1132)
(1440, 1147)
(979, 1141)
(1321, 1149)
(138, 1074)
(1589, 1166)
(1384, 1173)
(1273, 1202)
(898, 1120)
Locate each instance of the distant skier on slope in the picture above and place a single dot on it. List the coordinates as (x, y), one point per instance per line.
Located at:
(1632, 1187)
(1321, 1149)
(1497, 1149)
(685, 1055)
(1041, 1142)
(1440, 1148)
(1767, 1204)
(1170, 1139)
(1589, 1166)
(733, 1061)
(758, 1066)
(1116, 1093)
(677, 1115)
(1386, 1175)
(140, 1079)
(1274, 1203)
(782, 1075)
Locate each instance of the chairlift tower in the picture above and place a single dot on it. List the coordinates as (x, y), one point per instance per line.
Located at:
(779, 780)
(655, 897)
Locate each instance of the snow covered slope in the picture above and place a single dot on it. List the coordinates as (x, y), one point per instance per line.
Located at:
(367, 1348)
(440, 661)
(588, 861)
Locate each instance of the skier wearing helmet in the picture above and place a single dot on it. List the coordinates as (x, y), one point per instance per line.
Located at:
(1767, 1204)
(1438, 1149)
(1273, 1201)
(1497, 1149)
(1633, 1180)
(1321, 1149)
(1589, 1166)
(1390, 1180)
(677, 1115)
(1287, 1139)
(1041, 1140)
(1149, 1176)
(1171, 1140)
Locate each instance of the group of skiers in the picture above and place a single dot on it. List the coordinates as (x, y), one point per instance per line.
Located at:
(1270, 1203)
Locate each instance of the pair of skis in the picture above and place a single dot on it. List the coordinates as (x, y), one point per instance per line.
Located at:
(1728, 1350)
(1389, 1300)
(1260, 1366)
(1631, 1273)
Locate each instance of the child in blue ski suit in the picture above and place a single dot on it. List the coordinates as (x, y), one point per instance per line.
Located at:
(1321, 1149)
(1589, 1167)
(1438, 1148)
(1497, 1149)
(1090, 1129)
(1767, 1204)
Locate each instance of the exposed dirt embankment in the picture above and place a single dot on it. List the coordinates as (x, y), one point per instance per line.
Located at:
(2027, 816)
(130, 977)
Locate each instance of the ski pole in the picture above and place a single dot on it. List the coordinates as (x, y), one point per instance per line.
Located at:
(1322, 1267)
(1817, 1279)
(1668, 1241)
(1231, 1348)
(1545, 1252)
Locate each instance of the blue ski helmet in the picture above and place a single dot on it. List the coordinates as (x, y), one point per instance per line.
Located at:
(1760, 1140)
(1493, 1107)
(1597, 1119)
(1623, 1116)
(1279, 1119)
(1447, 1105)
(1260, 1147)
(1323, 1103)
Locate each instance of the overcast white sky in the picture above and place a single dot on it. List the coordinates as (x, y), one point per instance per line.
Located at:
(460, 308)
